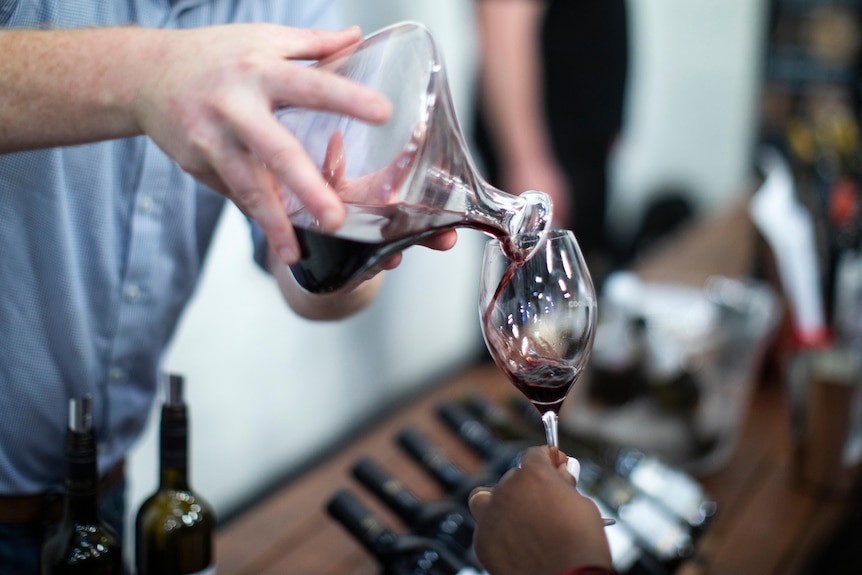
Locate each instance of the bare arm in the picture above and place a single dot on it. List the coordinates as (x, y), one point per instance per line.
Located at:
(205, 96)
(512, 97)
(69, 87)
(330, 306)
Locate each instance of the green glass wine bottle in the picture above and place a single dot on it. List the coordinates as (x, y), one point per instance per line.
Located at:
(174, 526)
(82, 543)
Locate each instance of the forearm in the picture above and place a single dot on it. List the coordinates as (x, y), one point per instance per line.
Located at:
(332, 306)
(65, 87)
(511, 76)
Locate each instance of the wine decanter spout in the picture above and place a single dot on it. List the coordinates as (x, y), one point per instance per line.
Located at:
(400, 181)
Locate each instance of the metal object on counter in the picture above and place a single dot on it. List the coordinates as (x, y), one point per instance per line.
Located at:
(824, 389)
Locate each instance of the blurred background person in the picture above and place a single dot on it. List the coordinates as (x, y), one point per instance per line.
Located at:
(550, 103)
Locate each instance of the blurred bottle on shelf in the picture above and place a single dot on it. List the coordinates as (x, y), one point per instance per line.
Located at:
(628, 555)
(664, 535)
(452, 478)
(499, 455)
(446, 520)
(616, 368)
(396, 554)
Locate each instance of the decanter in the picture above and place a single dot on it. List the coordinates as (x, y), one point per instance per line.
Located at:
(403, 180)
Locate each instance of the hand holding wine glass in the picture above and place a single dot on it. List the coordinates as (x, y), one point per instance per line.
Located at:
(520, 529)
(539, 318)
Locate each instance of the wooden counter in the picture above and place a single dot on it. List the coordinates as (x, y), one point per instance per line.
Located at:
(765, 525)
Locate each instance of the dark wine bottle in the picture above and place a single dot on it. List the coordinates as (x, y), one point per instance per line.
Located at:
(617, 361)
(446, 520)
(396, 554)
(499, 455)
(454, 480)
(501, 421)
(174, 526)
(82, 543)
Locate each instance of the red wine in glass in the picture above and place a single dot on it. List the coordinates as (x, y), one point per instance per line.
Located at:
(545, 382)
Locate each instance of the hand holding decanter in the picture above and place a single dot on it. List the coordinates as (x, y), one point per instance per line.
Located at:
(402, 181)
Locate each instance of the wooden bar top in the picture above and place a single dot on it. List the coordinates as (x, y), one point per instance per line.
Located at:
(765, 524)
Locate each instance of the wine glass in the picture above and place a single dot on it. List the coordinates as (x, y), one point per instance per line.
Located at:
(539, 317)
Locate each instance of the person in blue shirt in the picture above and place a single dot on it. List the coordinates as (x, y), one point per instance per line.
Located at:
(124, 127)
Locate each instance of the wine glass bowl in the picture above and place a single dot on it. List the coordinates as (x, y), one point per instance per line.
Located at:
(538, 317)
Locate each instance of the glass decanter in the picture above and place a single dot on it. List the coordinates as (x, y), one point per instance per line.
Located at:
(401, 181)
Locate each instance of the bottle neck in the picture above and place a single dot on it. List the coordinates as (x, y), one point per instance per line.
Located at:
(361, 522)
(174, 441)
(500, 455)
(388, 489)
(441, 468)
(81, 501)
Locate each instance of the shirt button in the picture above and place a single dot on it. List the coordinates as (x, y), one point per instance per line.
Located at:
(146, 204)
(116, 374)
(133, 293)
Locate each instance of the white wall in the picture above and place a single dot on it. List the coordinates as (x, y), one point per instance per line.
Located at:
(693, 102)
(268, 390)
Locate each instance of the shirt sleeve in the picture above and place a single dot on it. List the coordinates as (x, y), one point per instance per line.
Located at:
(7, 8)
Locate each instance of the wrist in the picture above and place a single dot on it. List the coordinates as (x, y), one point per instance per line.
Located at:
(147, 79)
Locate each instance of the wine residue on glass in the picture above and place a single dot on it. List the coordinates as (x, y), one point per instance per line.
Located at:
(544, 381)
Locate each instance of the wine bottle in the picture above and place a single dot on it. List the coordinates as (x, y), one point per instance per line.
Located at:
(396, 554)
(502, 423)
(446, 520)
(174, 526)
(661, 533)
(675, 489)
(454, 480)
(499, 455)
(82, 543)
(627, 555)
(617, 361)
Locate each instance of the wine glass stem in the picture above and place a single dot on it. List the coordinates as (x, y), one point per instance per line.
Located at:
(549, 418)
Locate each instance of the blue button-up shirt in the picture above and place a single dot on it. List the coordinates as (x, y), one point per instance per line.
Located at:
(101, 246)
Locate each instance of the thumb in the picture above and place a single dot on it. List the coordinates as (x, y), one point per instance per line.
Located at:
(479, 501)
